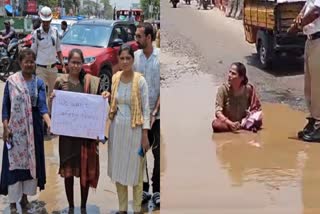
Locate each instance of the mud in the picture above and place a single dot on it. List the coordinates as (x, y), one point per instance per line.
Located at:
(230, 173)
(53, 200)
(215, 41)
(102, 200)
(267, 172)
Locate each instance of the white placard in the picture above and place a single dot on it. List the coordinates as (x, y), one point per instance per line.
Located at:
(79, 115)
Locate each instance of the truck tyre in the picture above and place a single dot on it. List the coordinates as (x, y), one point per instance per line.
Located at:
(264, 49)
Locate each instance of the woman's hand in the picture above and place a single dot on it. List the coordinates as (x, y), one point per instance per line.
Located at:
(47, 120)
(298, 20)
(49, 128)
(106, 94)
(233, 125)
(144, 142)
(6, 134)
(53, 95)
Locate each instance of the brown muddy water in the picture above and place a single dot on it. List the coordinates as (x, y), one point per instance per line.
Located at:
(243, 173)
(102, 200)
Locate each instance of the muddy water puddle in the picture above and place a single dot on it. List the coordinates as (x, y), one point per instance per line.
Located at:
(265, 172)
(53, 200)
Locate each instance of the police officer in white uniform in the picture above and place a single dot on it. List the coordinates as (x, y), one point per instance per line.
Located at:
(309, 21)
(46, 45)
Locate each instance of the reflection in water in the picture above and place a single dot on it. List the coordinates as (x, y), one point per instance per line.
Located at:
(311, 181)
(102, 200)
(270, 172)
(281, 165)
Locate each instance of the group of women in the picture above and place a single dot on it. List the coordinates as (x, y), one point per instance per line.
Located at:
(24, 110)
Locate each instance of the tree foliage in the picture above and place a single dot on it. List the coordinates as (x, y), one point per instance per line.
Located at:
(145, 7)
(107, 9)
(49, 3)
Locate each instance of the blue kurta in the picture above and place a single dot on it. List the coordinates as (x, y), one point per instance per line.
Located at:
(39, 108)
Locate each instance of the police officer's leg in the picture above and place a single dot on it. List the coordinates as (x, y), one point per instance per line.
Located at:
(52, 76)
(43, 74)
(307, 77)
(307, 92)
(313, 66)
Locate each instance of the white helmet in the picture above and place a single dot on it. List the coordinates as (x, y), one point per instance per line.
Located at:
(45, 14)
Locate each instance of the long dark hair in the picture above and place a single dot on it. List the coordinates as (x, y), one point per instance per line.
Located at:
(242, 72)
(82, 72)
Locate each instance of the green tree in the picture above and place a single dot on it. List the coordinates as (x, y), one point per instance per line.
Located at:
(145, 7)
(49, 3)
(90, 8)
(107, 8)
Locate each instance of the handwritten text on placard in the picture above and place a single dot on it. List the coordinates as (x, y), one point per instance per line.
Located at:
(79, 115)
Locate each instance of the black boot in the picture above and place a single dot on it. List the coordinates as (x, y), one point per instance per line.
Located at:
(308, 128)
(313, 136)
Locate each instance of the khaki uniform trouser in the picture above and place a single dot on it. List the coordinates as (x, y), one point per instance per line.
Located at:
(312, 78)
(137, 192)
(49, 76)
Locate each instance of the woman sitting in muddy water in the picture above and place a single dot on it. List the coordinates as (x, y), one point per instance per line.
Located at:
(237, 103)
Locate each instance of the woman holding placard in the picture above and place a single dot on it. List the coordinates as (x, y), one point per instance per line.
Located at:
(79, 157)
(23, 111)
(128, 136)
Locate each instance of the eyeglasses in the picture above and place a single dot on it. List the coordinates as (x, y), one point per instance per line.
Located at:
(75, 63)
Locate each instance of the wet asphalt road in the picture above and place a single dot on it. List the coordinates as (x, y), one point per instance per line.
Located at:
(214, 42)
(243, 173)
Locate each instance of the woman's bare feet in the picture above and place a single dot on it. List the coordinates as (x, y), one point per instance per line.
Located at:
(71, 210)
(13, 208)
(24, 201)
(83, 210)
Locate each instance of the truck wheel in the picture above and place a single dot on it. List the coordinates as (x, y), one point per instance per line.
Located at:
(105, 79)
(264, 53)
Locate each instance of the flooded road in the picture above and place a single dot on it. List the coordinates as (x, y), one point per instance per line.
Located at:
(217, 41)
(103, 200)
(267, 172)
(244, 173)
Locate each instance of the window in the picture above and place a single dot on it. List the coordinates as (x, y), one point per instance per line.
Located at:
(117, 34)
(130, 31)
(87, 35)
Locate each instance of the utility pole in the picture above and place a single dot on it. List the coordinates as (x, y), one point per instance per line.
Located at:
(62, 8)
(96, 8)
(14, 8)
